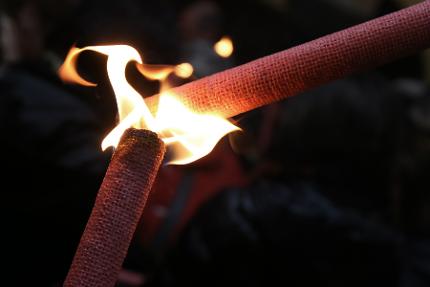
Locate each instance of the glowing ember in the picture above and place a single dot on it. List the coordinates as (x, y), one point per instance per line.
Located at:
(188, 135)
(184, 70)
(224, 47)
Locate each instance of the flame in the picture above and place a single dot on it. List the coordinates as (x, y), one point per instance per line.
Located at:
(189, 136)
(224, 47)
(68, 71)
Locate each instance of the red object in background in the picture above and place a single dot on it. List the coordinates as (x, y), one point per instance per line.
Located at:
(205, 179)
(307, 66)
(179, 191)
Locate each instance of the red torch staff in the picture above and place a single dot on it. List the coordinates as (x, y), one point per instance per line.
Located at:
(301, 68)
(117, 210)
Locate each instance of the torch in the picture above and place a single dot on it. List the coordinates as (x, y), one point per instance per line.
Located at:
(191, 119)
(290, 72)
(117, 210)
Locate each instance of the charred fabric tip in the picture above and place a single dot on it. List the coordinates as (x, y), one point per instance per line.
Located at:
(290, 72)
(117, 210)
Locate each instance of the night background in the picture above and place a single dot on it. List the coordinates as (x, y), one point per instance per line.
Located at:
(330, 187)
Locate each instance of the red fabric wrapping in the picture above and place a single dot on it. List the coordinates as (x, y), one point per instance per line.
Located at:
(117, 210)
(301, 68)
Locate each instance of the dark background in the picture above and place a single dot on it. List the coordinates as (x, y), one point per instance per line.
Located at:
(329, 187)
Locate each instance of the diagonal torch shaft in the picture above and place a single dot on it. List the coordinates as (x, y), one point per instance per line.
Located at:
(117, 210)
(309, 65)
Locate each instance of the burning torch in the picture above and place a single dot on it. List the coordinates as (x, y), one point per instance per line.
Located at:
(190, 120)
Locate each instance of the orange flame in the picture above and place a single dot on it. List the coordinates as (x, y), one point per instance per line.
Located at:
(224, 47)
(188, 135)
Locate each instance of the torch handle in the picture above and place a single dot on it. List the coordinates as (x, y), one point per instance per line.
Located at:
(309, 65)
(117, 210)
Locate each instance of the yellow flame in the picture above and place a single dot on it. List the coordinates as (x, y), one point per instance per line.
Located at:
(68, 71)
(155, 72)
(193, 135)
(224, 47)
(188, 135)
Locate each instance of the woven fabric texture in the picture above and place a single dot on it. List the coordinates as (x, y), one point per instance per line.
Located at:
(117, 210)
(309, 65)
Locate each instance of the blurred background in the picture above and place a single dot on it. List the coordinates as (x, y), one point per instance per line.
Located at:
(330, 187)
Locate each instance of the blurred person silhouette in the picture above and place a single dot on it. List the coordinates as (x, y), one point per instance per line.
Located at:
(52, 162)
(338, 196)
(343, 202)
(200, 27)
